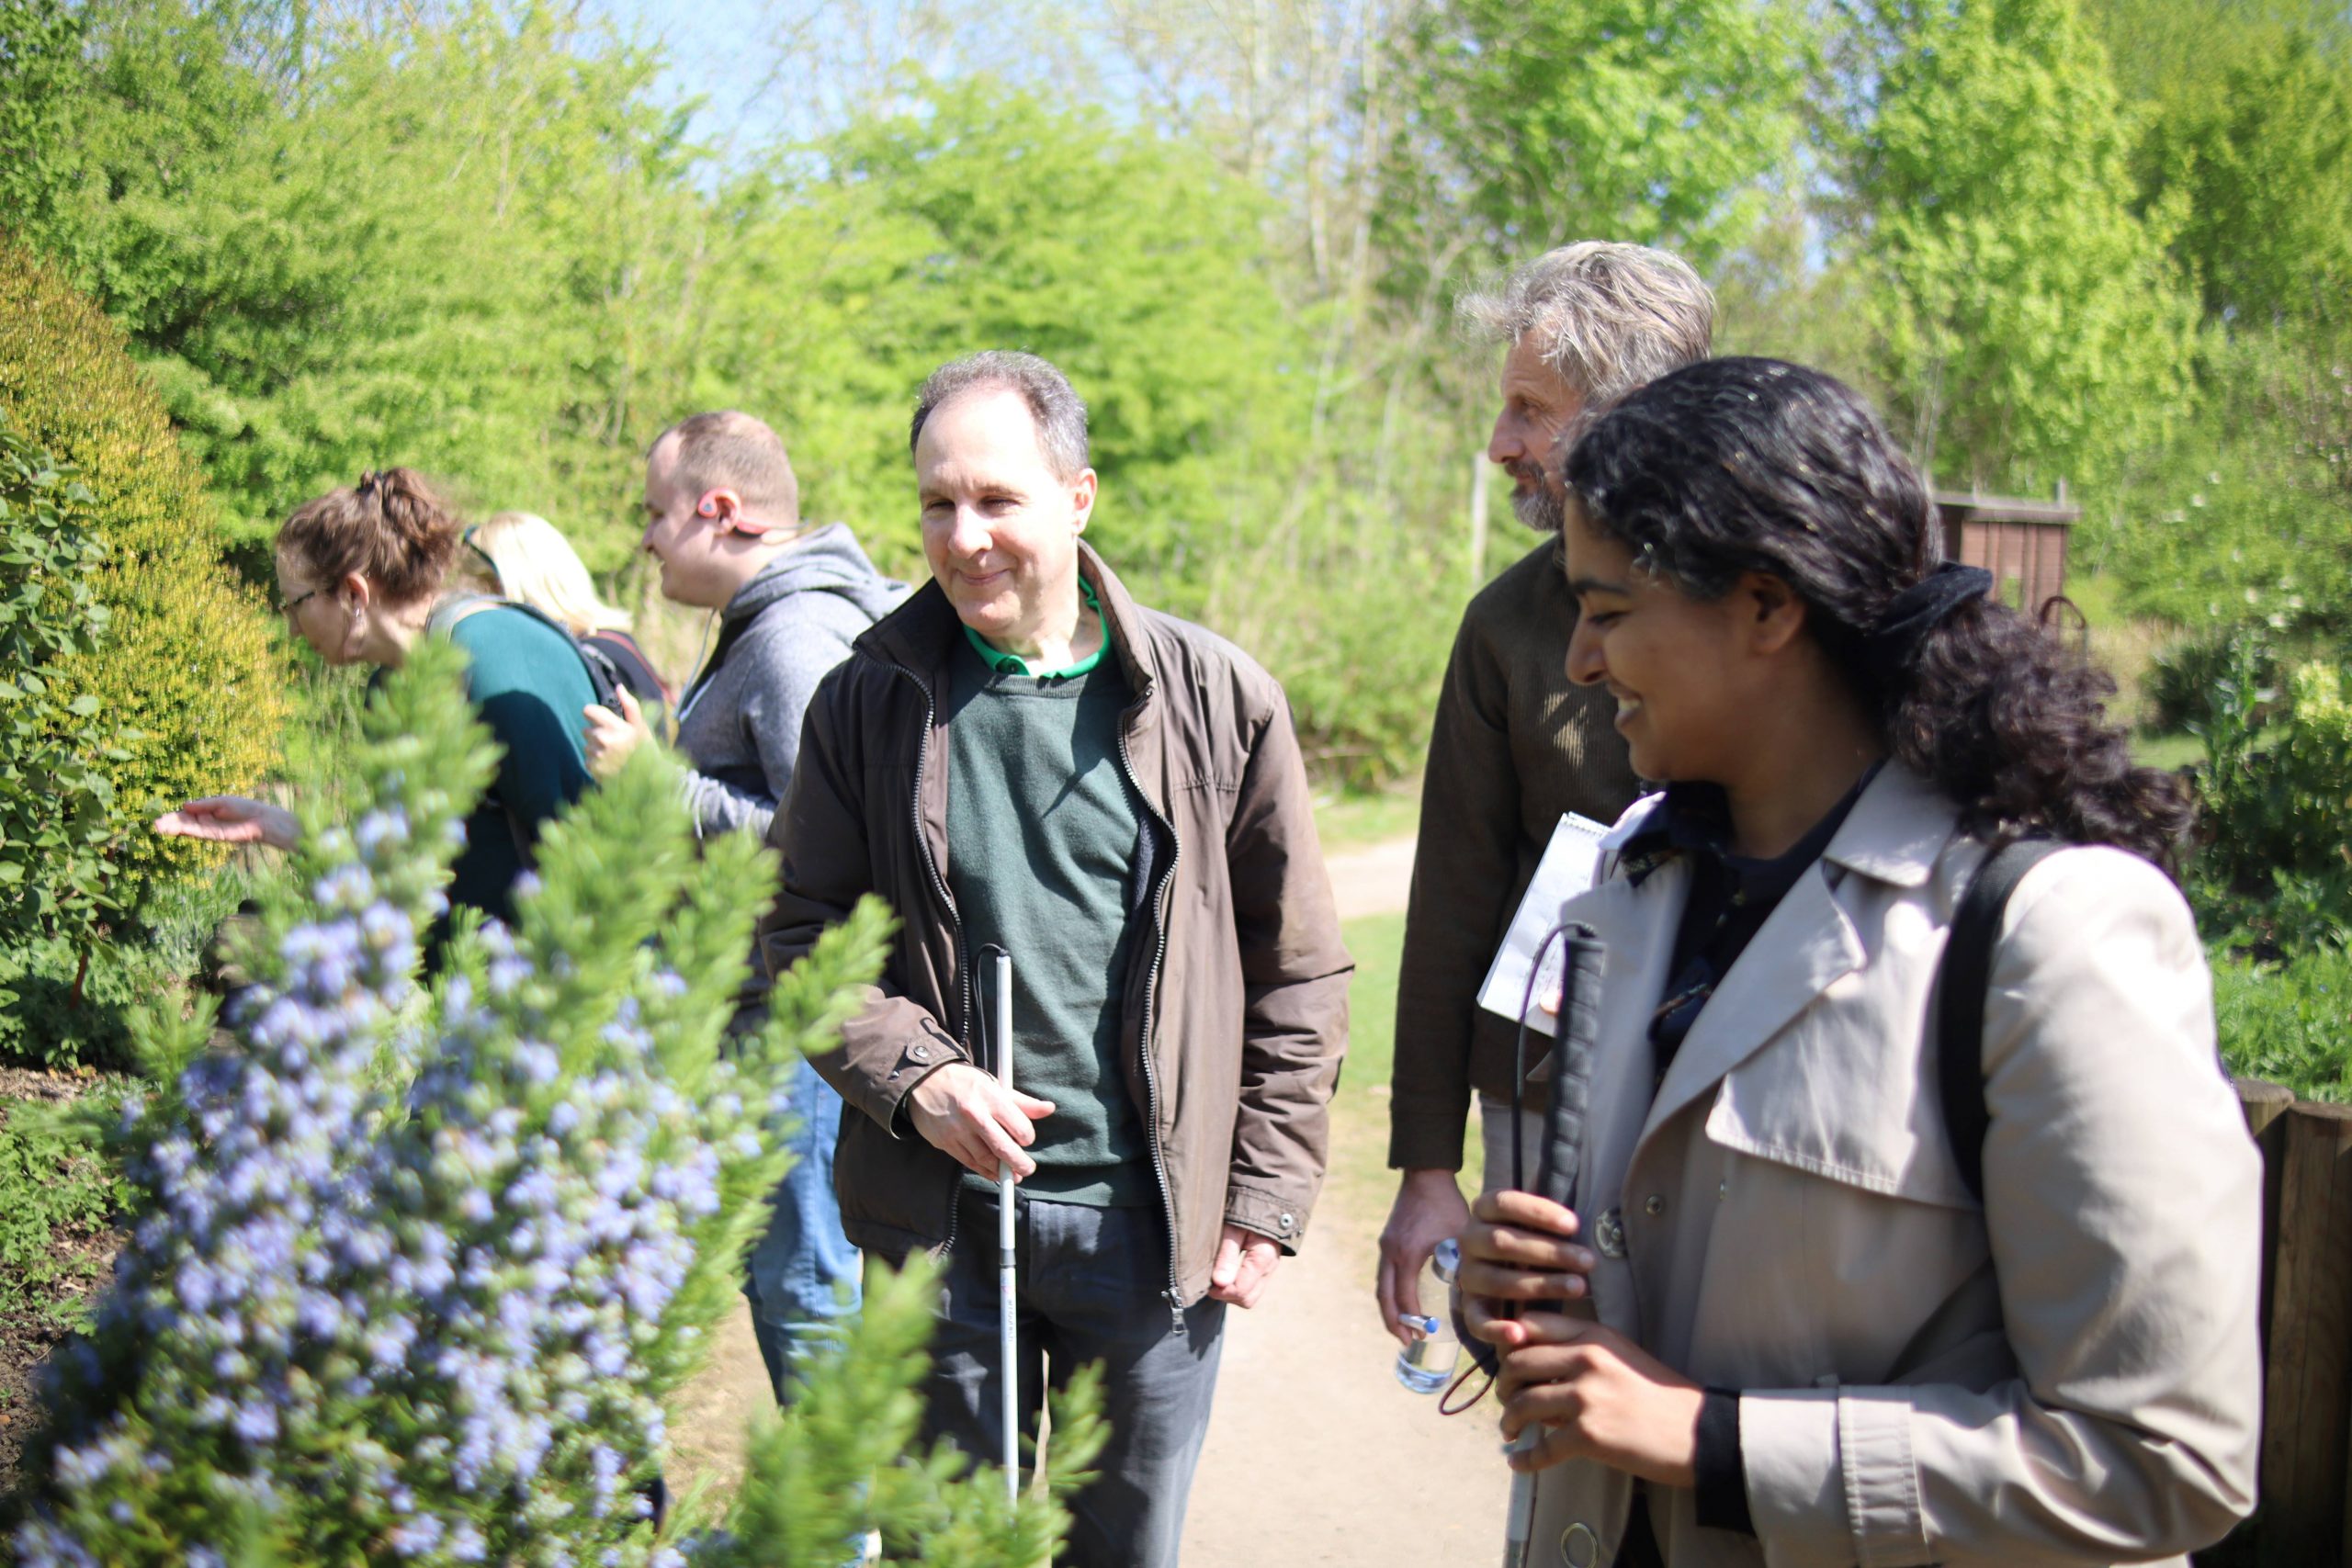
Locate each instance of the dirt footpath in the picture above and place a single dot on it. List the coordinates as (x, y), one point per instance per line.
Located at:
(1315, 1453)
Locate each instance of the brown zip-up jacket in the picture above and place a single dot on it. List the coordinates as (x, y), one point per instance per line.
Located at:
(1235, 1015)
(1515, 744)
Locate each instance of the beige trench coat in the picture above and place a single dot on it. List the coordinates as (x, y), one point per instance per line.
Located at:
(2068, 1375)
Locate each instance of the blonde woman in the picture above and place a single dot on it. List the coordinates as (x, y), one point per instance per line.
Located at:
(535, 564)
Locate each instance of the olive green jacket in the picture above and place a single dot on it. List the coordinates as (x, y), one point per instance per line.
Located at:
(1514, 746)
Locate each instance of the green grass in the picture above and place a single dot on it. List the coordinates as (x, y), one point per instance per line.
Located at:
(2170, 752)
(1352, 822)
(55, 1198)
(1359, 1170)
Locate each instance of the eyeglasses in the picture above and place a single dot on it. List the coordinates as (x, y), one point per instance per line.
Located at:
(287, 606)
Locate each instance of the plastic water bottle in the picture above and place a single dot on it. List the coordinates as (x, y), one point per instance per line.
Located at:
(1427, 1364)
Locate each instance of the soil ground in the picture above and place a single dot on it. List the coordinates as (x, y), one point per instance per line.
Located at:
(1314, 1453)
(27, 1338)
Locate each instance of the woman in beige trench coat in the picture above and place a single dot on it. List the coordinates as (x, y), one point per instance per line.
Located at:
(1794, 1335)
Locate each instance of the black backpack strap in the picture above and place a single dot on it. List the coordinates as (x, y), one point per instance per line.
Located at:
(1960, 985)
(603, 673)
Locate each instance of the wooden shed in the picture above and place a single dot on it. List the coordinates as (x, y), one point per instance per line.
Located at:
(2021, 542)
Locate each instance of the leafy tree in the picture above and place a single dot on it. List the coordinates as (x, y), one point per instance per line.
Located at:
(2243, 513)
(1650, 120)
(986, 216)
(443, 242)
(57, 819)
(2030, 324)
(2262, 150)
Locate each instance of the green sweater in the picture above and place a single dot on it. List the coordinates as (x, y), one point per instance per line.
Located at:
(1043, 833)
(528, 684)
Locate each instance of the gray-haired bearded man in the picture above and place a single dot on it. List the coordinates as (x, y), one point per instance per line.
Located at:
(1516, 743)
(1023, 756)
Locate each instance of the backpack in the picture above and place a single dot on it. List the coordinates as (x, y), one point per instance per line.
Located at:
(604, 675)
(1962, 981)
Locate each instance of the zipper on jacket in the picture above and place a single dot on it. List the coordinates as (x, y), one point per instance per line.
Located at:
(1175, 1291)
(955, 921)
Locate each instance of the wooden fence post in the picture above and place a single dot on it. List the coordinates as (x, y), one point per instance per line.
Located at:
(2265, 1104)
(2307, 1383)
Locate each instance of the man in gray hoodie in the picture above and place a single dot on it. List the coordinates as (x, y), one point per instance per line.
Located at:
(722, 515)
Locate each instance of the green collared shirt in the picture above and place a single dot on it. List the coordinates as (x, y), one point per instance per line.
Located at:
(1005, 663)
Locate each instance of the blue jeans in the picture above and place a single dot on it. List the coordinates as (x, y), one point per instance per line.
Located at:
(802, 1276)
(1088, 1289)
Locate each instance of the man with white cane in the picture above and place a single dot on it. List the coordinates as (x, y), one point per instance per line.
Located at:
(1023, 757)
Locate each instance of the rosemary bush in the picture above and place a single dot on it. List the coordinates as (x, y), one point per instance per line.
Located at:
(415, 1266)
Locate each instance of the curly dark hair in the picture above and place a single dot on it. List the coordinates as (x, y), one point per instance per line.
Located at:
(1732, 466)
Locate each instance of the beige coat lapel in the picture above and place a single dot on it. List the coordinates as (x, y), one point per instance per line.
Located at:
(1892, 834)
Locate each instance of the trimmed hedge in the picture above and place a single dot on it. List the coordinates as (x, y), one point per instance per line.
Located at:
(185, 675)
(58, 825)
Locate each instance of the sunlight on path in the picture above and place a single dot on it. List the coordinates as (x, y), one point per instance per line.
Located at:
(1372, 881)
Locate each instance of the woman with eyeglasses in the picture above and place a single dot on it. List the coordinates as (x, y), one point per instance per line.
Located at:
(1816, 1312)
(360, 574)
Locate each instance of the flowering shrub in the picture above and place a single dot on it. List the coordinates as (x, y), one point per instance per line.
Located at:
(415, 1269)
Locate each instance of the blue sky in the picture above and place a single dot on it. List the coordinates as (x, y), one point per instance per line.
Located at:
(719, 51)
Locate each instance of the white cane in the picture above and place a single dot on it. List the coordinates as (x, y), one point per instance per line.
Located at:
(1007, 1334)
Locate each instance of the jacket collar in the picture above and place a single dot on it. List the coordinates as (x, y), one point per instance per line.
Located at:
(924, 634)
(1896, 831)
(1895, 834)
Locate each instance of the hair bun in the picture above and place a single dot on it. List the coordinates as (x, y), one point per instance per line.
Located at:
(407, 508)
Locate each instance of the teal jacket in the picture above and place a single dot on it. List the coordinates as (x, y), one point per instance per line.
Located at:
(529, 684)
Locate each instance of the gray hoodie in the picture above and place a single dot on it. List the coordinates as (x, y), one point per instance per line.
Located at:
(739, 724)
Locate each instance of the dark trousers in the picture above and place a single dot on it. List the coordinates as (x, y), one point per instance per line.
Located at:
(1088, 1291)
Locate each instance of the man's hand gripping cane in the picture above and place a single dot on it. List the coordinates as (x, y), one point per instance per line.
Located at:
(977, 1120)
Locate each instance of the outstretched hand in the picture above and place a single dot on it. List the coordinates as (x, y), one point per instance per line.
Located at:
(232, 819)
(611, 736)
